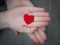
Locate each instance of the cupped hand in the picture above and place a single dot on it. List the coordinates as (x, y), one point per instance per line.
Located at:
(15, 19)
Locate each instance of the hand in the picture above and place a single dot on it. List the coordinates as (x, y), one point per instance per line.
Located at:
(16, 22)
(39, 36)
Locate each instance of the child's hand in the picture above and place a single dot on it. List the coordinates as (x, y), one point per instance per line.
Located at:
(16, 21)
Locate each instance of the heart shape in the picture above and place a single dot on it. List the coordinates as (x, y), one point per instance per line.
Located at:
(28, 18)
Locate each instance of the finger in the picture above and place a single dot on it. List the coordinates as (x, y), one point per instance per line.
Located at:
(33, 38)
(38, 36)
(38, 24)
(41, 19)
(42, 34)
(35, 9)
(40, 14)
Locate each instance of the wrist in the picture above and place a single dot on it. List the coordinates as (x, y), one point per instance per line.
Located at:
(3, 20)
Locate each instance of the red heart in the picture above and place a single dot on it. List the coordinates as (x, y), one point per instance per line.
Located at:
(28, 18)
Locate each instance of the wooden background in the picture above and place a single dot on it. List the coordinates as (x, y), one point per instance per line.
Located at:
(8, 37)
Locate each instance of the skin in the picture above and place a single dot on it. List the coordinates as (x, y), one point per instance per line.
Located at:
(14, 19)
(2, 21)
(16, 22)
(43, 27)
(39, 35)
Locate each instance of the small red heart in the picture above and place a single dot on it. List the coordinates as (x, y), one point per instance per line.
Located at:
(28, 18)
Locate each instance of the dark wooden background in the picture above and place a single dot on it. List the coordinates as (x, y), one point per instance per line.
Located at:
(8, 37)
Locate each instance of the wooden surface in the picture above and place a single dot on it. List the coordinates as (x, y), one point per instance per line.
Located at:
(8, 37)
